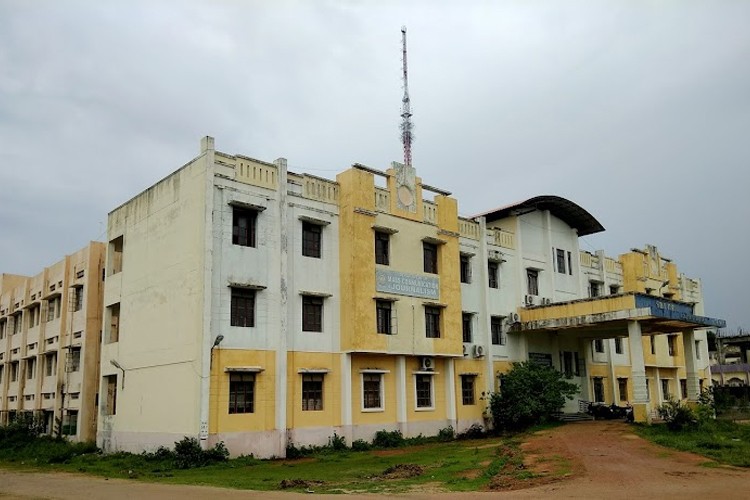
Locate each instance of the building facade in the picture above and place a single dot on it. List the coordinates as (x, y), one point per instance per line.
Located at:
(50, 327)
(249, 304)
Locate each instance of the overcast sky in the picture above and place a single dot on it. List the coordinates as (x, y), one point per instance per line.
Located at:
(637, 111)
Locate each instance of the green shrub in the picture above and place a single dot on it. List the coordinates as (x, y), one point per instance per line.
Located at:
(476, 431)
(388, 439)
(360, 445)
(530, 394)
(446, 434)
(188, 453)
(676, 415)
(337, 442)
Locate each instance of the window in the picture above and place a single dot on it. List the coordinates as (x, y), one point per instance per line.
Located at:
(532, 281)
(432, 322)
(652, 339)
(241, 392)
(594, 289)
(424, 390)
(598, 390)
(53, 308)
(492, 269)
(672, 345)
(467, 389)
(570, 264)
(3, 324)
(30, 368)
(700, 386)
(312, 314)
(561, 261)
(697, 349)
(665, 389)
(618, 345)
(74, 359)
(598, 345)
(311, 237)
(17, 323)
(243, 307)
(50, 364)
(244, 224)
(622, 388)
(115, 258)
(683, 388)
(568, 368)
(34, 315)
(70, 423)
(382, 248)
(465, 269)
(614, 289)
(14, 371)
(372, 398)
(110, 404)
(466, 326)
(312, 392)
(113, 330)
(77, 298)
(1, 373)
(430, 251)
(383, 311)
(496, 328)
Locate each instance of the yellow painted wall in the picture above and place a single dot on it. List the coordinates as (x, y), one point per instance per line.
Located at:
(438, 386)
(330, 415)
(264, 408)
(579, 308)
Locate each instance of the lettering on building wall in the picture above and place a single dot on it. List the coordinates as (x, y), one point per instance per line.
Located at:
(541, 358)
(412, 285)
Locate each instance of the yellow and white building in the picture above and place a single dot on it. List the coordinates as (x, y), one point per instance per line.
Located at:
(50, 327)
(248, 304)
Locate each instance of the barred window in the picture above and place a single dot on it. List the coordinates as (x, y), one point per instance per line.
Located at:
(424, 391)
(312, 392)
(382, 248)
(430, 253)
(466, 326)
(244, 225)
(371, 390)
(467, 389)
(383, 314)
(432, 322)
(496, 328)
(311, 238)
(312, 314)
(241, 392)
(465, 269)
(243, 307)
(492, 269)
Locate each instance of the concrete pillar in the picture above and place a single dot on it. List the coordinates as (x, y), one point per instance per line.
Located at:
(584, 357)
(483, 320)
(641, 405)
(346, 396)
(282, 339)
(401, 394)
(450, 391)
(691, 365)
(612, 375)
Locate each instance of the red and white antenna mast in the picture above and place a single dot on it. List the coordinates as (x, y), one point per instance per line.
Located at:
(406, 125)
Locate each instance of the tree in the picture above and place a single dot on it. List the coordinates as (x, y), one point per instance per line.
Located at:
(530, 394)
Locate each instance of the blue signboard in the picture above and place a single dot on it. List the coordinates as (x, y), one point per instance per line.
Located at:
(665, 308)
(413, 285)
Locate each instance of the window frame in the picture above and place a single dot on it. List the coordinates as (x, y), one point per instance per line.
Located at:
(250, 237)
(312, 240)
(597, 386)
(242, 307)
(373, 400)
(424, 396)
(532, 281)
(465, 268)
(599, 346)
(74, 354)
(430, 257)
(467, 333)
(242, 385)
(312, 391)
(432, 319)
(384, 316)
(468, 389)
(312, 313)
(493, 273)
(560, 260)
(622, 382)
(496, 330)
(110, 403)
(382, 248)
(619, 349)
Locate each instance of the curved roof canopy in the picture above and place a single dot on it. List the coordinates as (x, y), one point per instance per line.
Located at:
(567, 211)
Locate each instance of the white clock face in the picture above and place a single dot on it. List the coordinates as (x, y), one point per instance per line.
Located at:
(405, 196)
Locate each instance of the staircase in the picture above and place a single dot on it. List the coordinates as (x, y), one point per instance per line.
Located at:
(575, 417)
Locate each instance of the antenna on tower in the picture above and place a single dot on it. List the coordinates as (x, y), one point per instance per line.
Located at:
(406, 124)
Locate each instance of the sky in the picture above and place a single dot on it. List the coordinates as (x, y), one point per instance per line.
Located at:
(639, 111)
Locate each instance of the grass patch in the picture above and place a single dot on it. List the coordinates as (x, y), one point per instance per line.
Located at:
(723, 441)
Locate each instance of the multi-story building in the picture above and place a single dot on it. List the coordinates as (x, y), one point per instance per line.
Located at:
(248, 304)
(49, 344)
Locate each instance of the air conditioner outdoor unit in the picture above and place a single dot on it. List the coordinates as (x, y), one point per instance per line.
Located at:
(546, 301)
(478, 351)
(465, 353)
(513, 317)
(426, 363)
(529, 300)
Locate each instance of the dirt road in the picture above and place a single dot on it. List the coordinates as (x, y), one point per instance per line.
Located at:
(602, 460)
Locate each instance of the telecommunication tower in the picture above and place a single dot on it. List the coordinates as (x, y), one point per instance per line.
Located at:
(406, 124)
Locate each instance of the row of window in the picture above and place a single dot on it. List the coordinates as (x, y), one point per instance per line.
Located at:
(245, 232)
(622, 388)
(242, 310)
(493, 269)
(242, 391)
(671, 346)
(34, 312)
(50, 365)
(496, 328)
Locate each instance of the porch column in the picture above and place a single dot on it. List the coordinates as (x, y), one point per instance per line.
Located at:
(641, 406)
(691, 365)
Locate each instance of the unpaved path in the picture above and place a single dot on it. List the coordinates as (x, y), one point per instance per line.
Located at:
(599, 460)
